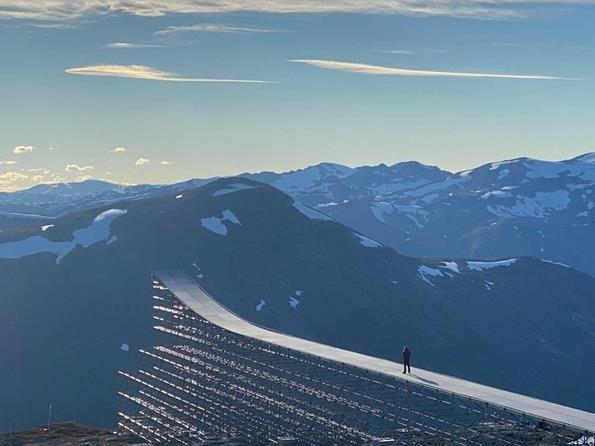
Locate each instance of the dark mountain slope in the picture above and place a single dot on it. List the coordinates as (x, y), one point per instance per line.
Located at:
(76, 296)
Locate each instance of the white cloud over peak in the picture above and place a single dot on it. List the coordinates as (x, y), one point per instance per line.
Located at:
(68, 10)
(147, 73)
(22, 149)
(213, 28)
(379, 70)
(77, 168)
(142, 162)
(10, 181)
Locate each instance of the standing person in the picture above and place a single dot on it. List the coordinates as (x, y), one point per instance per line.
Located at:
(406, 360)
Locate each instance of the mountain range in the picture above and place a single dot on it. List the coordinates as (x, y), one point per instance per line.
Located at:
(76, 300)
(519, 207)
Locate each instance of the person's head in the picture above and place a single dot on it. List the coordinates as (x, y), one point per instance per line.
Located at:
(404, 347)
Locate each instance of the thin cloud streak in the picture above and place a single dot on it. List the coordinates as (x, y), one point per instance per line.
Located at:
(148, 73)
(213, 28)
(378, 70)
(129, 45)
(407, 52)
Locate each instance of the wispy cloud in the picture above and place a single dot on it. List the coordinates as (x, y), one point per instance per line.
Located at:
(408, 51)
(119, 150)
(148, 73)
(395, 51)
(508, 44)
(167, 163)
(7, 163)
(77, 168)
(142, 162)
(68, 10)
(581, 48)
(18, 150)
(393, 71)
(130, 45)
(213, 28)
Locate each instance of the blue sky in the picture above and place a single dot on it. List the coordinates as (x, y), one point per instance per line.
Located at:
(378, 81)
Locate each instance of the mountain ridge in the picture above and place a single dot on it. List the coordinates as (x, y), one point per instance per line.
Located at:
(517, 207)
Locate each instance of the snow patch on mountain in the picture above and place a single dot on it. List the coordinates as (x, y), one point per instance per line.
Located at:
(260, 305)
(495, 166)
(97, 231)
(497, 193)
(232, 188)
(331, 204)
(416, 214)
(380, 209)
(539, 206)
(198, 272)
(503, 174)
(46, 227)
(439, 186)
(425, 272)
(548, 169)
(309, 212)
(555, 263)
(367, 242)
(216, 224)
(482, 266)
(451, 265)
(295, 299)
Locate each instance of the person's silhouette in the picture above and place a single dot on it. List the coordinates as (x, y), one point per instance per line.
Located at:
(406, 360)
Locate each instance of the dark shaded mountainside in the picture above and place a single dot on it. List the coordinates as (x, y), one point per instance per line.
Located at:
(76, 300)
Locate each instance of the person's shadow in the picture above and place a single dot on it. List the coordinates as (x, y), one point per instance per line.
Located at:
(427, 381)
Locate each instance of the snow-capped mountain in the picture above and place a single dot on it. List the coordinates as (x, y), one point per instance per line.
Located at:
(83, 282)
(520, 207)
(54, 200)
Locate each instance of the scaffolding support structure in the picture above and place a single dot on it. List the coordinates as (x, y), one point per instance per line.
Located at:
(205, 383)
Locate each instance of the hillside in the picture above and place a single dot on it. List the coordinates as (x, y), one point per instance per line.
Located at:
(518, 323)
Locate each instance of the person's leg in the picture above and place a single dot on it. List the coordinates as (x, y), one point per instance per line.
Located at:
(409, 366)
